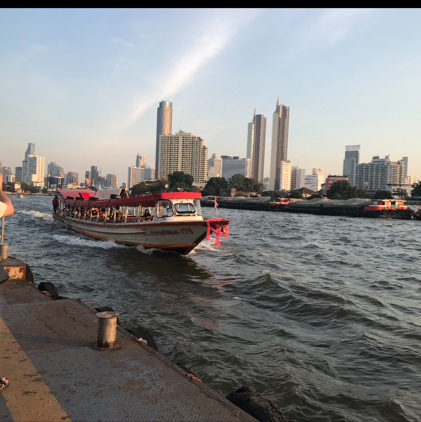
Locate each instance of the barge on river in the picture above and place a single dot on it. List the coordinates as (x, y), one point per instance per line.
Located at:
(170, 221)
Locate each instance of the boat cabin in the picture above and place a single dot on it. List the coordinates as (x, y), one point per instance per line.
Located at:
(100, 207)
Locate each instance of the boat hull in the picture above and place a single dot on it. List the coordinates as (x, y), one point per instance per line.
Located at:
(181, 237)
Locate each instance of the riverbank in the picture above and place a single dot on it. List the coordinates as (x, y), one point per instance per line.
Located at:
(56, 372)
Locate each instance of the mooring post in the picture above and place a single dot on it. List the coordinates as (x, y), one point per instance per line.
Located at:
(107, 329)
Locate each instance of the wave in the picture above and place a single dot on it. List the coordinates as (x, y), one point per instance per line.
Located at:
(37, 214)
(78, 241)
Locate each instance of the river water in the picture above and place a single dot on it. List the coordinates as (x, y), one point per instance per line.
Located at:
(320, 314)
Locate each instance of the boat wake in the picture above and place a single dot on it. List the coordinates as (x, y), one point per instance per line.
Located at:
(155, 252)
(37, 214)
(78, 241)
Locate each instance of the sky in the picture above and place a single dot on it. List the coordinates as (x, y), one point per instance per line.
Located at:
(84, 84)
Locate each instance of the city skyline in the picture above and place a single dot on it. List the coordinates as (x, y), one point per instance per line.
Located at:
(83, 85)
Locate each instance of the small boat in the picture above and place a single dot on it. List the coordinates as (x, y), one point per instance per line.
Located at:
(169, 221)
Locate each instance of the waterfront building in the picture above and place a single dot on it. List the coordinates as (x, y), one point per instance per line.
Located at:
(279, 143)
(54, 169)
(256, 138)
(8, 178)
(297, 178)
(183, 152)
(214, 166)
(284, 176)
(140, 160)
(352, 158)
(314, 181)
(54, 182)
(330, 180)
(163, 125)
(380, 174)
(235, 165)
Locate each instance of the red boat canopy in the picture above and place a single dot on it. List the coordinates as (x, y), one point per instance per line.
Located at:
(131, 201)
(77, 193)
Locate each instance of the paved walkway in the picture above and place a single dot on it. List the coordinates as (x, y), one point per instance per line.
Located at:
(46, 351)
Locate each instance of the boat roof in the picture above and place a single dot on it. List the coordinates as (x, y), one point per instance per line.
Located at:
(131, 201)
(76, 193)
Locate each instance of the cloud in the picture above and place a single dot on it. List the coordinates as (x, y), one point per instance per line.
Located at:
(211, 42)
(331, 27)
(120, 41)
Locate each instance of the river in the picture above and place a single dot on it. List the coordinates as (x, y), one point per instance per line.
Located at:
(320, 314)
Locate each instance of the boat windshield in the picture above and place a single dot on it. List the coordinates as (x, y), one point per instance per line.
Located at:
(184, 208)
(164, 209)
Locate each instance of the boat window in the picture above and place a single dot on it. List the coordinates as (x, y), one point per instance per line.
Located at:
(184, 208)
(164, 209)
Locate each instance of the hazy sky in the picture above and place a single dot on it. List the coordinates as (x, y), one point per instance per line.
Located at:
(84, 85)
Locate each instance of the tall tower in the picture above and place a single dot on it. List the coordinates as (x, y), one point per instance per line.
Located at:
(256, 138)
(279, 143)
(163, 125)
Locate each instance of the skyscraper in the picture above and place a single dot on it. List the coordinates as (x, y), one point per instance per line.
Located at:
(29, 151)
(183, 152)
(140, 160)
(214, 166)
(94, 175)
(163, 124)
(256, 138)
(279, 143)
(352, 159)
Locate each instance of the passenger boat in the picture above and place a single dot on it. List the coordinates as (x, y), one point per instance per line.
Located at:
(175, 221)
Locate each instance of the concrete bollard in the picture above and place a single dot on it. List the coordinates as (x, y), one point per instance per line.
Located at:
(3, 251)
(107, 330)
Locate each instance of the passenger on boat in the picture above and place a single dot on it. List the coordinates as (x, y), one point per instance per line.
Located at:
(147, 215)
(123, 193)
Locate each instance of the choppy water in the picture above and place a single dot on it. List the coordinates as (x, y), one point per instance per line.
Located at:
(320, 314)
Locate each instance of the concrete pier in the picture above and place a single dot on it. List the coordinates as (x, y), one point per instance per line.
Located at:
(47, 351)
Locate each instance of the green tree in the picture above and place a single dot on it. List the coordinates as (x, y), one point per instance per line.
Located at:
(28, 188)
(342, 189)
(142, 188)
(179, 179)
(383, 194)
(240, 182)
(296, 194)
(214, 186)
(417, 190)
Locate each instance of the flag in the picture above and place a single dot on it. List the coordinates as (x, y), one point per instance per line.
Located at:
(216, 204)
(87, 181)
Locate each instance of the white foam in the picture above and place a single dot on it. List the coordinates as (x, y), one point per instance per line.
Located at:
(37, 214)
(78, 241)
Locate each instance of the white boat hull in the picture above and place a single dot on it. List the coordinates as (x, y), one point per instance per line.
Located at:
(178, 236)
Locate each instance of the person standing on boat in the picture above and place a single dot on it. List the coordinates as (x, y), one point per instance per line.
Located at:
(55, 204)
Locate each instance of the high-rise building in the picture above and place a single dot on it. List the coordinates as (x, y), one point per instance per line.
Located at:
(297, 178)
(18, 174)
(94, 175)
(279, 143)
(163, 125)
(88, 175)
(380, 174)
(71, 177)
(55, 170)
(6, 171)
(352, 158)
(183, 152)
(140, 160)
(34, 172)
(111, 181)
(214, 166)
(256, 139)
(284, 176)
(405, 160)
(235, 165)
(29, 151)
